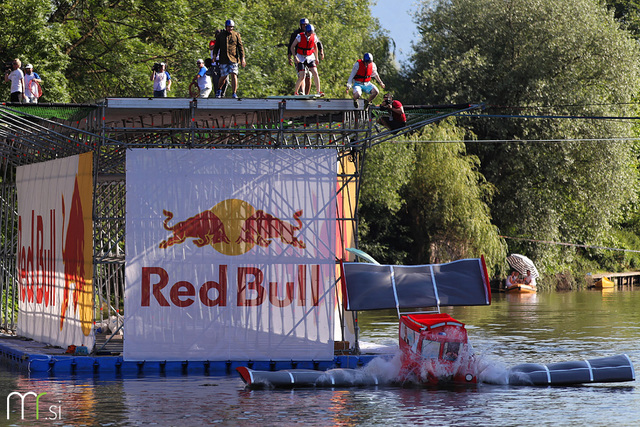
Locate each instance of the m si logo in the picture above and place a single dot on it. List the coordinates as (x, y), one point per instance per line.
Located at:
(52, 409)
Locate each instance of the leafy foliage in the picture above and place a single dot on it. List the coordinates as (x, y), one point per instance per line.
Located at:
(91, 49)
(545, 58)
(434, 204)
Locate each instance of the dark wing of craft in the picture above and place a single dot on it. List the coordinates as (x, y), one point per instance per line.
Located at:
(374, 287)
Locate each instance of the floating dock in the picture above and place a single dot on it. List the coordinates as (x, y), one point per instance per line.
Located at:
(42, 360)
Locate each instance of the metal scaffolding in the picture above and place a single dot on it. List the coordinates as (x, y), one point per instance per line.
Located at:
(33, 133)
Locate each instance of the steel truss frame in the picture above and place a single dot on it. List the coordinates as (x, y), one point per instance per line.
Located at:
(36, 133)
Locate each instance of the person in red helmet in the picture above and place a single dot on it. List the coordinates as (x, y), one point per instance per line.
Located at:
(360, 79)
(304, 50)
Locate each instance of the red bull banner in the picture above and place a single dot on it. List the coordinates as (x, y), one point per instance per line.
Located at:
(230, 254)
(55, 251)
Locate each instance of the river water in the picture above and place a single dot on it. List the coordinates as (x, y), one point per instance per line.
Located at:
(543, 328)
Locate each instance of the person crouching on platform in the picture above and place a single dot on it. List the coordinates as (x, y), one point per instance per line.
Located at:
(303, 50)
(396, 118)
(363, 70)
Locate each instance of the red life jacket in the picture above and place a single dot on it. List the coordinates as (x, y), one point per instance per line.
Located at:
(306, 46)
(364, 71)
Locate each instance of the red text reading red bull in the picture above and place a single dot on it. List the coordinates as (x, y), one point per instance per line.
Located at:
(251, 290)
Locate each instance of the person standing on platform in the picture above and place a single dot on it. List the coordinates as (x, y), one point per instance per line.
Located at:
(396, 118)
(161, 80)
(16, 78)
(203, 79)
(300, 30)
(229, 47)
(303, 50)
(31, 90)
(363, 70)
(214, 69)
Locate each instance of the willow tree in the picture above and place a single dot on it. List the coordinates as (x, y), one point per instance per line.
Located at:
(426, 202)
(539, 59)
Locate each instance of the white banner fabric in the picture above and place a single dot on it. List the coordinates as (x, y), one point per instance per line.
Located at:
(230, 254)
(55, 251)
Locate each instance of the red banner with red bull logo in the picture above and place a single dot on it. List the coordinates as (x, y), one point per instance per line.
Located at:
(55, 251)
(230, 254)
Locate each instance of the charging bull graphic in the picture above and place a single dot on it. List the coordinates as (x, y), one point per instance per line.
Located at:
(261, 228)
(77, 253)
(233, 227)
(205, 228)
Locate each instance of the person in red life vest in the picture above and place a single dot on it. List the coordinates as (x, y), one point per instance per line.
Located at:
(301, 30)
(303, 50)
(230, 50)
(396, 118)
(363, 70)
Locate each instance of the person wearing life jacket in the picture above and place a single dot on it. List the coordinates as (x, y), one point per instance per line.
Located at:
(360, 79)
(301, 30)
(303, 51)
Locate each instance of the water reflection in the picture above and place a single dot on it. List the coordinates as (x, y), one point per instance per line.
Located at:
(550, 327)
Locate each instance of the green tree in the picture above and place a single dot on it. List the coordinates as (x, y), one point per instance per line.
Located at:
(627, 12)
(427, 202)
(539, 58)
(91, 49)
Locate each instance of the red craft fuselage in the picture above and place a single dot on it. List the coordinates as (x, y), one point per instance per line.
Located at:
(435, 350)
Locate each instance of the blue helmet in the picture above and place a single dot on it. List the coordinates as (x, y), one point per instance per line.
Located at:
(368, 57)
(229, 23)
(309, 28)
(304, 21)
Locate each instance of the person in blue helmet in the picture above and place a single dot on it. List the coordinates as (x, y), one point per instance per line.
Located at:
(300, 30)
(360, 79)
(230, 49)
(304, 50)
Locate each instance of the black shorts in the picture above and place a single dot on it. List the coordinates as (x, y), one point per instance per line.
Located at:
(302, 66)
(392, 124)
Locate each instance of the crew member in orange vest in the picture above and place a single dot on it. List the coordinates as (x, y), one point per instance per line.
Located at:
(303, 50)
(360, 79)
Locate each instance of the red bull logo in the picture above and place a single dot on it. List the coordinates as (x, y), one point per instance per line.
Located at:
(233, 227)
